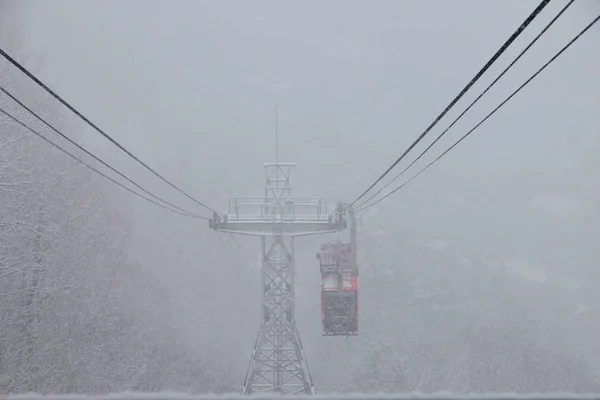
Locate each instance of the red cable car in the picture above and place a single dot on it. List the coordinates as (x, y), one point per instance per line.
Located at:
(339, 287)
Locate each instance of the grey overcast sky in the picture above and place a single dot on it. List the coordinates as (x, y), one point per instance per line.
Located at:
(355, 83)
(191, 87)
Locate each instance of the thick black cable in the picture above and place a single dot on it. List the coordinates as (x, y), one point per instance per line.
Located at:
(519, 30)
(93, 156)
(472, 104)
(490, 114)
(96, 128)
(12, 117)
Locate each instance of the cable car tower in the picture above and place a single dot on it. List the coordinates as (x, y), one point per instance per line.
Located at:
(278, 363)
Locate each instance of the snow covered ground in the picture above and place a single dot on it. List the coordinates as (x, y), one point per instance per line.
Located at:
(361, 396)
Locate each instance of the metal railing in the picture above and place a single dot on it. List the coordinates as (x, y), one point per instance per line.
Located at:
(288, 210)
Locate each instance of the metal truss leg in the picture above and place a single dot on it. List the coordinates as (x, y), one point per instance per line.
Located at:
(278, 363)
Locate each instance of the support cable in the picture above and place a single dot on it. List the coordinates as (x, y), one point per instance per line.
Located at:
(490, 114)
(226, 250)
(97, 129)
(472, 104)
(234, 253)
(95, 157)
(511, 39)
(9, 115)
(235, 240)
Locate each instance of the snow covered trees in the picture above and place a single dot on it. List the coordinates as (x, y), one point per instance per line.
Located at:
(76, 314)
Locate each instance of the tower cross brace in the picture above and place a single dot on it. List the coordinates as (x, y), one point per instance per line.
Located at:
(278, 363)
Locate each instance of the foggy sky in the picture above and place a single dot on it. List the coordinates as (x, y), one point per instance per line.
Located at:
(191, 88)
(354, 84)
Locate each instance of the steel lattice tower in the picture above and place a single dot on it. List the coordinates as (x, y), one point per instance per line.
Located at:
(278, 363)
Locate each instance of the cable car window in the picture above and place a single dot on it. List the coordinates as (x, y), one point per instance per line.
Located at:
(340, 302)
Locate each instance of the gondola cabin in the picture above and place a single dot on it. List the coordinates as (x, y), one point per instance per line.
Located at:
(339, 289)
